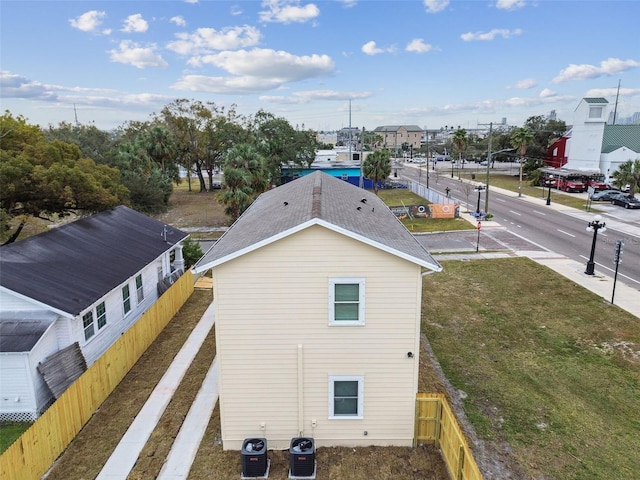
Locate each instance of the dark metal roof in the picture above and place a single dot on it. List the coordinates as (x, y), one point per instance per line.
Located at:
(71, 266)
(317, 198)
(595, 100)
(20, 335)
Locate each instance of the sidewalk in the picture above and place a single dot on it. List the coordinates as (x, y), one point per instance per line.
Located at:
(626, 297)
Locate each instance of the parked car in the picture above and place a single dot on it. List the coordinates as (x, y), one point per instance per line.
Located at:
(626, 201)
(604, 195)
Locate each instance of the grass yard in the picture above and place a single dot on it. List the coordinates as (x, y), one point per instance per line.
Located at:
(547, 366)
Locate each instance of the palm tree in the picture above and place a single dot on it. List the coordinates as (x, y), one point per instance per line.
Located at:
(377, 167)
(521, 138)
(460, 143)
(628, 172)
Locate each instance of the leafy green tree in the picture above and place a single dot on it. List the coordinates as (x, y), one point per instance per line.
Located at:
(521, 138)
(42, 179)
(280, 144)
(237, 195)
(628, 172)
(377, 167)
(94, 143)
(191, 252)
(245, 178)
(460, 142)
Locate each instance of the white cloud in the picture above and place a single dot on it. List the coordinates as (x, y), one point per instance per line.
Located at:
(307, 96)
(612, 92)
(417, 45)
(485, 36)
(288, 11)
(179, 21)
(509, 4)
(130, 53)
(206, 40)
(547, 93)
(267, 63)
(190, 1)
(88, 21)
(349, 3)
(235, 10)
(435, 6)
(609, 66)
(256, 70)
(370, 48)
(526, 83)
(135, 23)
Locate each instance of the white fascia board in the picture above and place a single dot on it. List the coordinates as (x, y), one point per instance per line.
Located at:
(36, 302)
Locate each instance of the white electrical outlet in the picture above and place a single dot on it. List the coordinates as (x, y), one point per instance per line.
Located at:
(314, 423)
(263, 426)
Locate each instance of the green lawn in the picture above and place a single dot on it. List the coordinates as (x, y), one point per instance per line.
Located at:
(10, 432)
(547, 366)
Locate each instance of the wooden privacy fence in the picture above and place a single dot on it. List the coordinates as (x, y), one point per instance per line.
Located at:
(32, 454)
(436, 422)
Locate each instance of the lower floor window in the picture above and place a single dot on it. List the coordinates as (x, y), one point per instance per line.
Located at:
(346, 396)
(87, 323)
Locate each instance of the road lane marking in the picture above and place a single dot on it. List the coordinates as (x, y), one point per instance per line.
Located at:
(515, 213)
(567, 233)
(500, 200)
(539, 213)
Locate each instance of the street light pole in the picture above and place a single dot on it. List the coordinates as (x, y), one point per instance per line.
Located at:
(550, 180)
(594, 226)
(479, 188)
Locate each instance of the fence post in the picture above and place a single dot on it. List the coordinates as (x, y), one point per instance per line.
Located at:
(460, 462)
(438, 422)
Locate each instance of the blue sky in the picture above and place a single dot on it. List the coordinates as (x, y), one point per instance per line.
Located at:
(425, 62)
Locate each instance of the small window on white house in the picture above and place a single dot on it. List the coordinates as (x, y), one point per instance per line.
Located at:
(346, 396)
(126, 299)
(87, 323)
(101, 315)
(139, 289)
(346, 301)
(595, 112)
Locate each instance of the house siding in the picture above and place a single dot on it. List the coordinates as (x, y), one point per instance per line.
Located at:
(275, 299)
(17, 390)
(117, 321)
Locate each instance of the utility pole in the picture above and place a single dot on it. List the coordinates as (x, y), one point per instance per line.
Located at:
(486, 191)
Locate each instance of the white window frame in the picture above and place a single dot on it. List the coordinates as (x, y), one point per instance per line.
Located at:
(89, 328)
(126, 300)
(346, 378)
(361, 295)
(596, 109)
(139, 289)
(101, 318)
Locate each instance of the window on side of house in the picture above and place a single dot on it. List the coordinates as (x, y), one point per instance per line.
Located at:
(101, 315)
(346, 396)
(126, 299)
(139, 288)
(87, 324)
(346, 301)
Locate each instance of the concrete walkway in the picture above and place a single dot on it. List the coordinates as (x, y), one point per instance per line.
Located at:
(124, 457)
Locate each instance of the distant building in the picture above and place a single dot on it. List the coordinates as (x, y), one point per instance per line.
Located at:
(395, 136)
(591, 144)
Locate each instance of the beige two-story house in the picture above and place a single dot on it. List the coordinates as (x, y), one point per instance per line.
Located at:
(317, 297)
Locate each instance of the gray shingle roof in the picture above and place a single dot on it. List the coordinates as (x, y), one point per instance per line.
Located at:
(72, 266)
(321, 199)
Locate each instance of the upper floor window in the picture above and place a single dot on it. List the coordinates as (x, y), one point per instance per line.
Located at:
(126, 299)
(139, 288)
(87, 324)
(595, 112)
(346, 301)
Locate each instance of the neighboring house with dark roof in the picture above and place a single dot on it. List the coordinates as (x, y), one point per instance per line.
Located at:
(317, 290)
(591, 144)
(84, 283)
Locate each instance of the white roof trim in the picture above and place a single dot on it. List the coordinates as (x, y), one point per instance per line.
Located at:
(323, 223)
(36, 302)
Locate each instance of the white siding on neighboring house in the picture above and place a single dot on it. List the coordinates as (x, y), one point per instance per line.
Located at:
(272, 317)
(17, 391)
(45, 347)
(117, 321)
